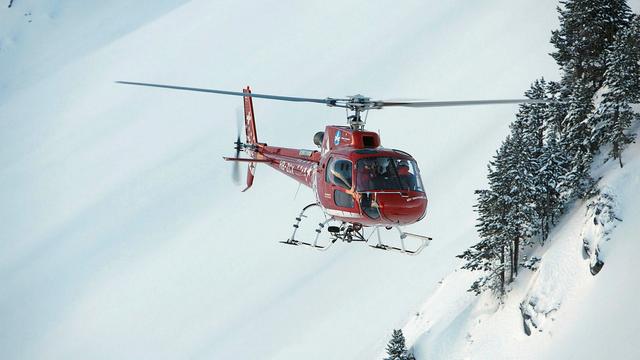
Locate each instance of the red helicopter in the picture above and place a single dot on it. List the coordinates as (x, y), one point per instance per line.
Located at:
(358, 184)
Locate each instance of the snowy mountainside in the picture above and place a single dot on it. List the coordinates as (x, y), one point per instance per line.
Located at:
(122, 234)
(37, 38)
(561, 310)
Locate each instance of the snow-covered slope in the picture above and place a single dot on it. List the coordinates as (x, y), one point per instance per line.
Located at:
(38, 37)
(122, 235)
(571, 313)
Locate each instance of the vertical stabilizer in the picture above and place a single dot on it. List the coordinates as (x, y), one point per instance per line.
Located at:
(249, 120)
(250, 131)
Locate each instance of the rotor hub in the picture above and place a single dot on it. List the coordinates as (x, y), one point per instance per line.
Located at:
(357, 104)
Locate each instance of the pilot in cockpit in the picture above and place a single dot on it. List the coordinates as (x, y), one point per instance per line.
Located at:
(407, 179)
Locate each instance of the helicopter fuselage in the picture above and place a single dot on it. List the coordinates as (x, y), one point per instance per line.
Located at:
(354, 179)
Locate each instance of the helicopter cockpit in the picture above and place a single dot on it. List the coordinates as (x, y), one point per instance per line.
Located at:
(385, 178)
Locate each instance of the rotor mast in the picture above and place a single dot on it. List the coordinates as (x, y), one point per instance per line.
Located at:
(357, 104)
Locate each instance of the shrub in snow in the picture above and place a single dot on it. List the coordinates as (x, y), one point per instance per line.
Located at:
(531, 263)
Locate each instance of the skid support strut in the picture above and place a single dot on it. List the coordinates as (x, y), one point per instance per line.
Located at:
(296, 226)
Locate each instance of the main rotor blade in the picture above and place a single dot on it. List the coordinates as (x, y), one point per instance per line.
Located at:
(235, 93)
(421, 104)
(353, 103)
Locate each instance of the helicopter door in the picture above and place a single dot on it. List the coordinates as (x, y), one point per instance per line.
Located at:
(338, 185)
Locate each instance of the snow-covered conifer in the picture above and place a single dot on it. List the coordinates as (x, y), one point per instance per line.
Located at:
(553, 167)
(541, 157)
(519, 187)
(494, 253)
(530, 125)
(622, 87)
(575, 140)
(488, 255)
(396, 348)
(587, 27)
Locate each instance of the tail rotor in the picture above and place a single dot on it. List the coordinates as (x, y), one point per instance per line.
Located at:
(235, 172)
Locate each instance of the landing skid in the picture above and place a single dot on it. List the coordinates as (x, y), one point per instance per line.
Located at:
(424, 242)
(347, 232)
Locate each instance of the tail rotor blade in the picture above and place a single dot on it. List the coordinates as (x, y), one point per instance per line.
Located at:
(235, 174)
(239, 120)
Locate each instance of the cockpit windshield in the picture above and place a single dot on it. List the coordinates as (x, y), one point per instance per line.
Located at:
(386, 173)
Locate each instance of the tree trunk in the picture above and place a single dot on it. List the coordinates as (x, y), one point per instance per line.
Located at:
(544, 218)
(516, 256)
(616, 146)
(617, 153)
(502, 274)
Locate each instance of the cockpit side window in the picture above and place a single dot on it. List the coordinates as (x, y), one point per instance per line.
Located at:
(339, 173)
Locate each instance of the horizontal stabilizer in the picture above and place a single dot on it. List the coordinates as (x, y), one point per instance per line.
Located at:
(246, 159)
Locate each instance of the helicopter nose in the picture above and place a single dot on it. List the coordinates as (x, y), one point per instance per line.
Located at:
(404, 209)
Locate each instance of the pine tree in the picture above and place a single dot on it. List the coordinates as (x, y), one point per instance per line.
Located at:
(488, 255)
(519, 202)
(519, 188)
(554, 161)
(534, 116)
(587, 27)
(553, 166)
(531, 123)
(541, 157)
(576, 141)
(622, 87)
(494, 253)
(558, 106)
(396, 349)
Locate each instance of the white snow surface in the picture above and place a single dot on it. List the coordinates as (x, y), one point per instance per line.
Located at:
(577, 315)
(122, 234)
